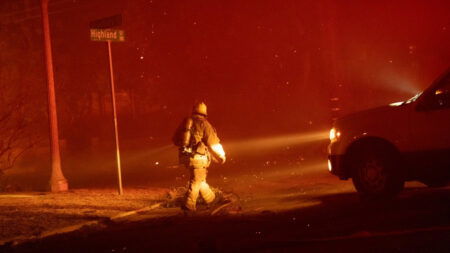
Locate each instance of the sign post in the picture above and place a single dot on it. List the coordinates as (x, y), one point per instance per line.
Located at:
(109, 35)
(116, 130)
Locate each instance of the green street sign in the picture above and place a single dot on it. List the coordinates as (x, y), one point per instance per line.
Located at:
(107, 35)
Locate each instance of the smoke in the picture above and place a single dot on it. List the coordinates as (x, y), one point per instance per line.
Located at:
(398, 83)
(154, 152)
(275, 142)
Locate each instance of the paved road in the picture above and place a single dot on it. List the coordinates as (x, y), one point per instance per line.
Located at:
(281, 210)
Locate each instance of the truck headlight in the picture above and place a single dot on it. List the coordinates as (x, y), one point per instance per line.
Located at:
(334, 135)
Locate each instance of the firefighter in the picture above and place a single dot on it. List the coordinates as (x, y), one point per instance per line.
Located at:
(198, 145)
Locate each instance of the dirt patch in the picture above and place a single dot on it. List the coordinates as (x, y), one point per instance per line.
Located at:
(31, 214)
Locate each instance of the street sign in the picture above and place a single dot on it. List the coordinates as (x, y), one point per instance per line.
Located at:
(107, 22)
(107, 35)
(99, 33)
(110, 35)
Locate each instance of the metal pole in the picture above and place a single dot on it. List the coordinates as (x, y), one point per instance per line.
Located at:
(116, 131)
(57, 182)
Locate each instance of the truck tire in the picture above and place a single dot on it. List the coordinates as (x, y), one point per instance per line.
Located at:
(376, 172)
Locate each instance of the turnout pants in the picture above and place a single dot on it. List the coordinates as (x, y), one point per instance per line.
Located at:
(197, 183)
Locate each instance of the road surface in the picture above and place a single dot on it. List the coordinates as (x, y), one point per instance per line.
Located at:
(281, 209)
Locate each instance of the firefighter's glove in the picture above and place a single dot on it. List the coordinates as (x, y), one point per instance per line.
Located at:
(219, 152)
(222, 160)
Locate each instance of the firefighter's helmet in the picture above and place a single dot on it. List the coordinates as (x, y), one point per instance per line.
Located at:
(199, 108)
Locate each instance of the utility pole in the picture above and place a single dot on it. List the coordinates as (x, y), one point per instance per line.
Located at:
(58, 182)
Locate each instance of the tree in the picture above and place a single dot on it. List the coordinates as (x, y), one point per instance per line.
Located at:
(22, 99)
(16, 128)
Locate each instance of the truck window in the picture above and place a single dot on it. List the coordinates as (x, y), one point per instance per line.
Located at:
(440, 97)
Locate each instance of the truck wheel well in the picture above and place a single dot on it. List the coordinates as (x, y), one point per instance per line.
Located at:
(374, 143)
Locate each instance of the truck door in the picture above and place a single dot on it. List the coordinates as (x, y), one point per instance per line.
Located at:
(430, 127)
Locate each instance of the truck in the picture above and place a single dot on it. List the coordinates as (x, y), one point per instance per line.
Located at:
(382, 148)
